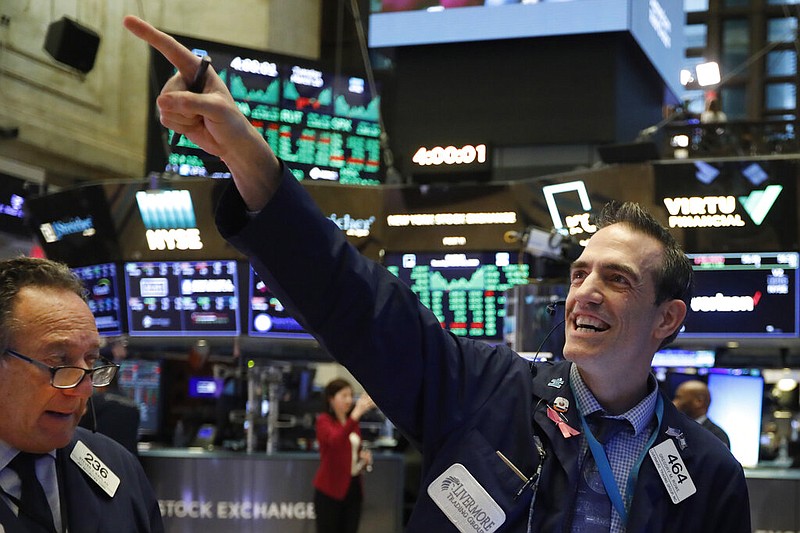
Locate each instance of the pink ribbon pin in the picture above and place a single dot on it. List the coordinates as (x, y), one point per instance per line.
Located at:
(566, 430)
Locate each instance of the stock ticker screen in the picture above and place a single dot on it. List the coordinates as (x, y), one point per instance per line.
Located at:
(326, 126)
(182, 298)
(103, 296)
(739, 295)
(464, 290)
(140, 380)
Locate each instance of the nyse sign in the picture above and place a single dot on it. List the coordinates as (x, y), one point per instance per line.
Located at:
(174, 239)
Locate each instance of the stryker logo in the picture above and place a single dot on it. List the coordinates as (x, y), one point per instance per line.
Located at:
(355, 227)
(55, 231)
(758, 203)
(703, 212)
(720, 302)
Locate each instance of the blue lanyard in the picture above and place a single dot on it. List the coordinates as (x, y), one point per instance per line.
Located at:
(601, 459)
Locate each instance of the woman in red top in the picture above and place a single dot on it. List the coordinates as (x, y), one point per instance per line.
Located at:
(338, 495)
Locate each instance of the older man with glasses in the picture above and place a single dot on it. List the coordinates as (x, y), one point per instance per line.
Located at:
(53, 475)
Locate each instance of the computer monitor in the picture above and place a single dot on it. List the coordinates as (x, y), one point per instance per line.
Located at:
(744, 295)
(182, 298)
(465, 290)
(104, 296)
(140, 380)
(736, 401)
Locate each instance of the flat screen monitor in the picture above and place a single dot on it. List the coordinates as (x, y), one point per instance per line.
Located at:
(102, 285)
(744, 295)
(182, 298)
(657, 26)
(74, 226)
(465, 290)
(736, 400)
(326, 125)
(267, 316)
(414, 22)
(140, 380)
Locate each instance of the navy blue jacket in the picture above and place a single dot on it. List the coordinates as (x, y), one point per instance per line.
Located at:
(86, 507)
(458, 400)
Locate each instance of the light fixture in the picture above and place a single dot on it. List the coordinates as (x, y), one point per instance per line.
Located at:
(787, 382)
(681, 141)
(708, 73)
(701, 75)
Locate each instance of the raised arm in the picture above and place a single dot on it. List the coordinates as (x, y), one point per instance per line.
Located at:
(211, 119)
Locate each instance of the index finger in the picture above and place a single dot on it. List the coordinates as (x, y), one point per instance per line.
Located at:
(181, 57)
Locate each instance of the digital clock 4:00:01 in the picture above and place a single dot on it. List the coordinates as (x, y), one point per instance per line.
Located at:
(450, 155)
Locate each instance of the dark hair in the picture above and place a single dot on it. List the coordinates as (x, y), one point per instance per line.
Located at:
(21, 272)
(331, 389)
(674, 280)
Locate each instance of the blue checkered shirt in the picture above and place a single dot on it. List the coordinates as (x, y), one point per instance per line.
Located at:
(624, 448)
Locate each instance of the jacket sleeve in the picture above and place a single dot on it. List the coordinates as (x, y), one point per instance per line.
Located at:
(426, 380)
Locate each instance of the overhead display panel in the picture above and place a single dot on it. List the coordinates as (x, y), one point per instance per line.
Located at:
(464, 290)
(744, 295)
(327, 126)
(103, 296)
(730, 206)
(656, 25)
(182, 298)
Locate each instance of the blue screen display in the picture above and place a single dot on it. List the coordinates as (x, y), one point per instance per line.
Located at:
(744, 295)
(168, 298)
(103, 298)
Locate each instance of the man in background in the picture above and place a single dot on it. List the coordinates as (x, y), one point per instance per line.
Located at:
(693, 399)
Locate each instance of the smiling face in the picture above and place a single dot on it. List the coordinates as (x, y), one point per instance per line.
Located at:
(613, 326)
(57, 328)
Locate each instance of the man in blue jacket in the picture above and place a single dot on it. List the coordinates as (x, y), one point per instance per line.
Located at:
(507, 445)
(54, 476)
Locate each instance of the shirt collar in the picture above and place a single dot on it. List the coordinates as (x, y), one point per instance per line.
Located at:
(8, 452)
(639, 415)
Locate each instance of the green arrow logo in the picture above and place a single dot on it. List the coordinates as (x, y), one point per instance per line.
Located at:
(758, 203)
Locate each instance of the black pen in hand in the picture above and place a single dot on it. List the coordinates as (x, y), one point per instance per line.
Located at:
(196, 86)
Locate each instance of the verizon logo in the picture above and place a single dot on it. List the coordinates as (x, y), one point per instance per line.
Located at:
(720, 302)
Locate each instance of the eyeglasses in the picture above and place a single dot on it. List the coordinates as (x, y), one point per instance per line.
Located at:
(69, 377)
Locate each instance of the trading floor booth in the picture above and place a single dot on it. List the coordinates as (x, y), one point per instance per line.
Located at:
(234, 491)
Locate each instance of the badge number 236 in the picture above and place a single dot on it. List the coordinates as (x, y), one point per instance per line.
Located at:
(96, 465)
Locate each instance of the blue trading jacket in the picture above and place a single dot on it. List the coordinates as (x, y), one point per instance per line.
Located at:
(459, 401)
